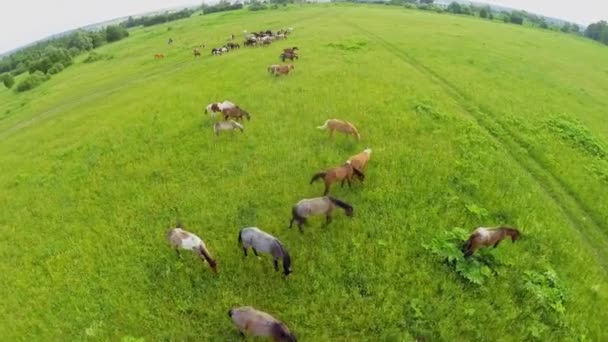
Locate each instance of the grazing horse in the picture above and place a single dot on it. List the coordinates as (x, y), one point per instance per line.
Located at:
(159, 56)
(179, 238)
(359, 161)
(485, 237)
(217, 107)
(340, 126)
(341, 173)
(230, 125)
(260, 241)
(317, 206)
(288, 55)
(290, 50)
(235, 112)
(278, 69)
(196, 52)
(216, 51)
(260, 324)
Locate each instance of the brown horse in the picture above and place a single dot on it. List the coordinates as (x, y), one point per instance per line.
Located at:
(196, 52)
(485, 237)
(236, 113)
(279, 69)
(341, 173)
(291, 50)
(340, 126)
(261, 324)
(288, 55)
(159, 56)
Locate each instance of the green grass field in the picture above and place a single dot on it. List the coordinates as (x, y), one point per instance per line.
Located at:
(472, 123)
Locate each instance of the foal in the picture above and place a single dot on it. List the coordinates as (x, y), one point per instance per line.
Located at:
(485, 237)
(340, 173)
(340, 126)
(317, 206)
(235, 112)
(230, 125)
(261, 241)
(359, 161)
(179, 238)
(260, 324)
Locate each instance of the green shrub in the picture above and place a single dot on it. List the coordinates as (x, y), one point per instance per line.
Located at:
(96, 56)
(31, 81)
(257, 6)
(56, 68)
(8, 80)
(577, 135)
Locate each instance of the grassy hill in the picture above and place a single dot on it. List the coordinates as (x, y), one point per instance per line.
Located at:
(472, 123)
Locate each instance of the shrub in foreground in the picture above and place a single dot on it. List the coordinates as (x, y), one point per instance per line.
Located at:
(31, 81)
(8, 80)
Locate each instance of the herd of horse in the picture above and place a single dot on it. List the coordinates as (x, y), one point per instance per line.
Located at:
(248, 319)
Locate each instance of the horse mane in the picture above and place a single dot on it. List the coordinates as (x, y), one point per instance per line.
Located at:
(511, 230)
(286, 256)
(281, 333)
(205, 253)
(340, 203)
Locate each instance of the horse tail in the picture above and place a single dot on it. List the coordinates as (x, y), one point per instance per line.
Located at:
(340, 203)
(318, 176)
(240, 240)
(324, 125)
(286, 257)
(356, 132)
(230, 312)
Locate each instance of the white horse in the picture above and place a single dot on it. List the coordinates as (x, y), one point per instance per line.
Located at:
(217, 107)
(230, 125)
(179, 238)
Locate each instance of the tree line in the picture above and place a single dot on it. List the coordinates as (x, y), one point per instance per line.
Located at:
(50, 57)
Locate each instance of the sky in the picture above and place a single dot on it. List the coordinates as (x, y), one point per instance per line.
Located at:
(25, 21)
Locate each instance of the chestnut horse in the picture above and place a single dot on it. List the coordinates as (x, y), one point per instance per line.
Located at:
(235, 112)
(341, 173)
(260, 324)
(485, 237)
(340, 126)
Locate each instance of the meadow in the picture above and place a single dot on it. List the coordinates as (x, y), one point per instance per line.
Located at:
(472, 123)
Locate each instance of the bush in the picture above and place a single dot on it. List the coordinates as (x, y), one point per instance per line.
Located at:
(115, 33)
(95, 56)
(31, 81)
(8, 80)
(516, 19)
(257, 6)
(56, 68)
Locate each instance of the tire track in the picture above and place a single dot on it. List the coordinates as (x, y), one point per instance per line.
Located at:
(580, 216)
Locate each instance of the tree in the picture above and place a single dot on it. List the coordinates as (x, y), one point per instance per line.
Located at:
(574, 28)
(594, 31)
(8, 80)
(565, 28)
(427, 2)
(516, 19)
(81, 41)
(115, 33)
(483, 13)
(455, 7)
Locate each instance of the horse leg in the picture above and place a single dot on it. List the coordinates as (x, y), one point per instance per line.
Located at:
(496, 244)
(331, 133)
(348, 180)
(245, 251)
(327, 186)
(291, 222)
(276, 264)
(254, 251)
(300, 224)
(342, 184)
(328, 219)
(178, 253)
